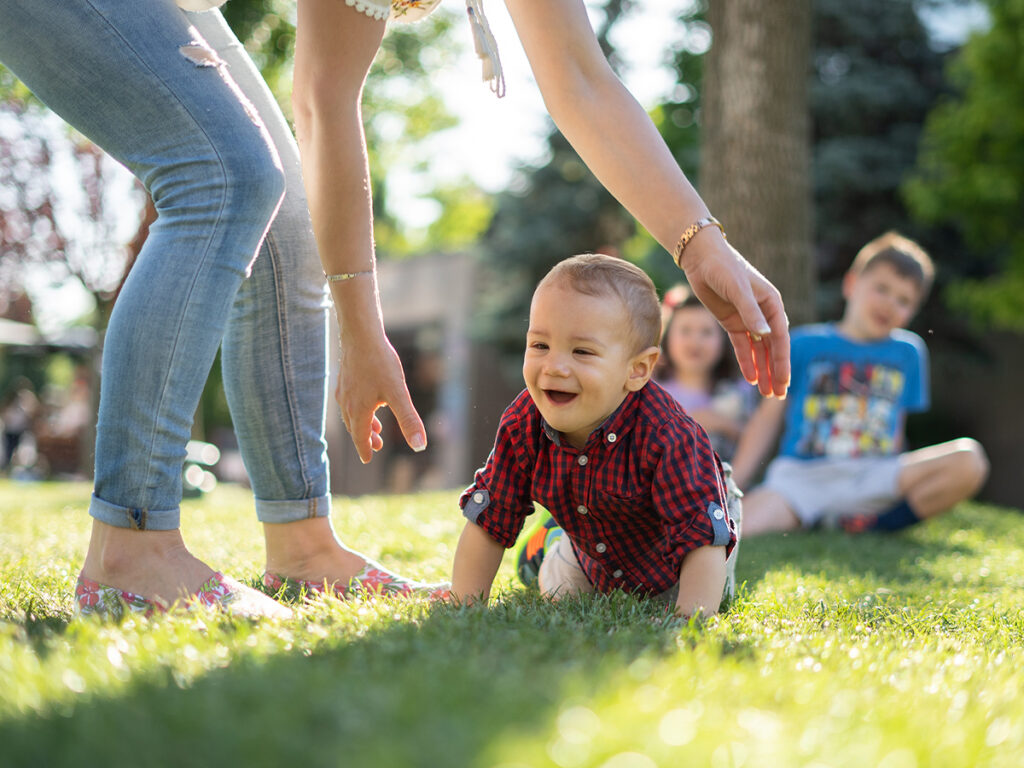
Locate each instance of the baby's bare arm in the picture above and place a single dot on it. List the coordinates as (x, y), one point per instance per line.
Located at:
(701, 581)
(477, 558)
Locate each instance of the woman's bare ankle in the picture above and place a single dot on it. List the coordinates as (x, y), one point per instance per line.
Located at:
(308, 550)
(154, 564)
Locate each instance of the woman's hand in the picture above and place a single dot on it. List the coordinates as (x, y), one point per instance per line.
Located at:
(748, 307)
(370, 376)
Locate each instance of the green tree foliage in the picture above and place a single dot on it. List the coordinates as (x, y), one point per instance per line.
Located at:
(267, 29)
(971, 169)
(466, 213)
(402, 109)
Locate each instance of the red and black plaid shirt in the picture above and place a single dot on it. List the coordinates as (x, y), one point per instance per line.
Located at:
(645, 490)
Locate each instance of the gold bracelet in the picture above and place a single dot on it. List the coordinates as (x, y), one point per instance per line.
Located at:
(688, 234)
(346, 275)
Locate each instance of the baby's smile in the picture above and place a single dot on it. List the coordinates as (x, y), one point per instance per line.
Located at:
(558, 397)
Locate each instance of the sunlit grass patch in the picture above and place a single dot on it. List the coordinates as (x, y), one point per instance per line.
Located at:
(895, 651)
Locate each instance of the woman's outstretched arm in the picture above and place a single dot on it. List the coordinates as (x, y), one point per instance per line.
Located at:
(620, 144)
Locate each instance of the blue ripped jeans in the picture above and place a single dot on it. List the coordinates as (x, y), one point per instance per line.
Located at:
(175, 98)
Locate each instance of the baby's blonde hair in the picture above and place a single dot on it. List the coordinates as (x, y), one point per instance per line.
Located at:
(595, 274)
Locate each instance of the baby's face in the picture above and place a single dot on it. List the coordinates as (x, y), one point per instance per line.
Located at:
(579, 354)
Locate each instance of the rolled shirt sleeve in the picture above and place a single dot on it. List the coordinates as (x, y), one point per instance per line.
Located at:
(688, 492)
(499, 500)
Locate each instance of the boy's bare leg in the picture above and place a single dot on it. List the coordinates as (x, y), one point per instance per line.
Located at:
(935, 478)
(765, 511)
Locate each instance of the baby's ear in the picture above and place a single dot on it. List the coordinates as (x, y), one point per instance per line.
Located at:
(641, 368)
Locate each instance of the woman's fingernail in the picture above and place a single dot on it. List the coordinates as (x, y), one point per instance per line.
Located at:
(418, 443)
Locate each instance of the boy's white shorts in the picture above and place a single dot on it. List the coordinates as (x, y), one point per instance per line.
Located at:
(821, 491)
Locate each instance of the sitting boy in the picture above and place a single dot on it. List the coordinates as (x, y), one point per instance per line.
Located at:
(630, 478)
(841, 462)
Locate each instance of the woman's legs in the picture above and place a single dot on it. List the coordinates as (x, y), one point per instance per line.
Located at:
(275, 360)
(135, 79)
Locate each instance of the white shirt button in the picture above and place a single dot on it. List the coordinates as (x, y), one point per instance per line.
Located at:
(478, 497)
(612, 437)
(600, 547)
(581, 509)
(719, 514)
(582, 460)
(617, 574)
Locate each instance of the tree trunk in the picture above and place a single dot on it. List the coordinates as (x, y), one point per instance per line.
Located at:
(755, 140)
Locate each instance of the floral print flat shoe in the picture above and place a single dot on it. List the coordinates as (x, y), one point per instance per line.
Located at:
(374, 579)
(219, 592)
(95, 599)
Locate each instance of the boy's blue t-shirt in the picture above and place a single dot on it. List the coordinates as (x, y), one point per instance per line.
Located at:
(849, 398)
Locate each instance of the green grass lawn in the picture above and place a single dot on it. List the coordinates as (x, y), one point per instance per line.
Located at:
(896, 651)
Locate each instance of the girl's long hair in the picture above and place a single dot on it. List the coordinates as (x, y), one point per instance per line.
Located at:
(676, 300)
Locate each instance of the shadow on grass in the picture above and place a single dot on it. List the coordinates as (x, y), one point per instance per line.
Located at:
(440, 690)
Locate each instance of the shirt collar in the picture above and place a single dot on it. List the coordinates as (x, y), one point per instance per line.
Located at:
(611, 430)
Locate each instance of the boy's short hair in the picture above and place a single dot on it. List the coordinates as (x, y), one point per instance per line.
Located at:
(908, 258)
(596, 274)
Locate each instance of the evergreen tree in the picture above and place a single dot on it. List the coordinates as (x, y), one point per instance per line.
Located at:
(875, 76)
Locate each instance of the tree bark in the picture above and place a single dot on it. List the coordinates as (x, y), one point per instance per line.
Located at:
(755, 140)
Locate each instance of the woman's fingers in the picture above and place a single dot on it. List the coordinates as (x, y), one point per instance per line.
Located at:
(360, 396)
(778, 348)
(408, 420)
(751, 311)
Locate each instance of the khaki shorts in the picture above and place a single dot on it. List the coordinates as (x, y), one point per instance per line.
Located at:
(821, 491)
(561, 575)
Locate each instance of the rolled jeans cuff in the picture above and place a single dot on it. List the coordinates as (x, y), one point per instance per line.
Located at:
(292, 510)
(135, 518)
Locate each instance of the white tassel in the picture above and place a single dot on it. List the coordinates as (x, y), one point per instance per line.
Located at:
(486, 47)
